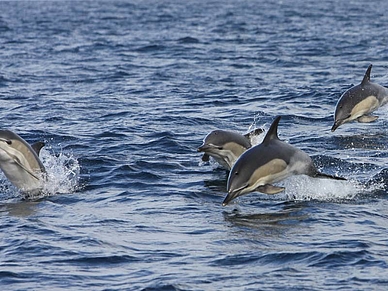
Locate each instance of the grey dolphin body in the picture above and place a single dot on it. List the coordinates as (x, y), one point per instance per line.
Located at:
(359, 101)
(269, 162)
(20, 162)
(226, 146)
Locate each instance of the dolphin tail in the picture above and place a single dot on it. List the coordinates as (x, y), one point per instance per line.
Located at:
(327, 176)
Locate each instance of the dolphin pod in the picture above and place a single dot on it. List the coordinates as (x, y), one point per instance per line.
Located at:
(269, 162)
(20, 162)
(359, 101)
(251, 168)
(257, 168)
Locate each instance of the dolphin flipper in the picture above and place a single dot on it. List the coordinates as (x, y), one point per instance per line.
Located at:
(38, 146)
(367, 118)
(270, 189)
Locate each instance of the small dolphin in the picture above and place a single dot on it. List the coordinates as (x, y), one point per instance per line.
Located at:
(269, 162)
(226, 146)
(20, 162)
(359, 101)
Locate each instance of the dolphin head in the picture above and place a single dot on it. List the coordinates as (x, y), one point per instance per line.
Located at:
(238, 181)
(217, 139)
(20, 162)
(343, 110)
(12, 144)
(6, 144)
(224, 146)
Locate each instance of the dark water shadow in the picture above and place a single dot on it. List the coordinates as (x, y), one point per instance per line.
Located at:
(275, 221)
(372, 141)
(218, 183)
(22, 208)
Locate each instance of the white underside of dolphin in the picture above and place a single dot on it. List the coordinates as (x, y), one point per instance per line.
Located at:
(20, 162)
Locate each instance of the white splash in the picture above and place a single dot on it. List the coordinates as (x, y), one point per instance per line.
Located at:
(62, 170)
(257, 138)
(303, 188)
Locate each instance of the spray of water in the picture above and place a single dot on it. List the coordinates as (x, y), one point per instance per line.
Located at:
(306, 188)
(62, 176)
(257, 138)
(63, 171)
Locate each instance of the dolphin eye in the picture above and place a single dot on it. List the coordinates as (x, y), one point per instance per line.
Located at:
(220, 148)
(7, 141)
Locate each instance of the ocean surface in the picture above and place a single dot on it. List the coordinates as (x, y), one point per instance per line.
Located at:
(124, 92)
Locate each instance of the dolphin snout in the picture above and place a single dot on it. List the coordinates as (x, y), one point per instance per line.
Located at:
(234, 193)
(231, 195)
(203, 148)
(335, 125)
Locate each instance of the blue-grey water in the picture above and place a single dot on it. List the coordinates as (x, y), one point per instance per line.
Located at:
(123, 93)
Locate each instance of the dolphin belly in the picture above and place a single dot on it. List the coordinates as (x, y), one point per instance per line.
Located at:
(271, 172)
(366, 106)
(18, 171)
(20, 178)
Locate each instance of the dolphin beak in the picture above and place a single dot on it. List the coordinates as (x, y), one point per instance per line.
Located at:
(335, 125)
(206, 147)
(203, 148)
(339, 122)
(229, 198)
(232, 194)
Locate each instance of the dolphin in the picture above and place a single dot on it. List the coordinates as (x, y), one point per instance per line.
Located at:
(359, 101)
(269, 162)
(226, 146)
(20, 162)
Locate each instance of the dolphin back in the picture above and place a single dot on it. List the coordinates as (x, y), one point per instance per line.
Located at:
(220, 137)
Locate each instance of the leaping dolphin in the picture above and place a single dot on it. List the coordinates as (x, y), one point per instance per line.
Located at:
(20, 162)
(359, 101)
(269, 162)
(226, 146)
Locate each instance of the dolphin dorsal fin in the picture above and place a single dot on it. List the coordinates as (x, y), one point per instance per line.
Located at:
(367, 75)
(273, 131)
(38, 146)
